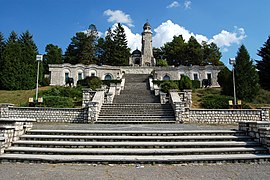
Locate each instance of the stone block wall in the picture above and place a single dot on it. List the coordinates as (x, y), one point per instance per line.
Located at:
(11, 129)
(59, 115)
(259, 131)
(225, 116)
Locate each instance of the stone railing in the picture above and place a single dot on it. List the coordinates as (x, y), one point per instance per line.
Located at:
(181, 102)
(151, 84)
(123, 84)
(11, 129)
(95, 105)
(111, 94)
(259, 131)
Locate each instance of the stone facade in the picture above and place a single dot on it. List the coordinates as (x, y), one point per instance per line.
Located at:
(60, 72)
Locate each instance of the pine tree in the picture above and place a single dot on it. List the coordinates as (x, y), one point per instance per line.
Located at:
(246, 76)
(120, 41)
(82, 48)
(263, 66)
(11, 59)
(28, 61)
(108, 57)
(53, 56)
(2, 47)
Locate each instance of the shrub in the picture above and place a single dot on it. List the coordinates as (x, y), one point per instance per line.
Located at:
(167, 85)
(263, 97)
(162, 63)
(108, 82)
(185, 83)
(57, 101)
(92, 82)
(196, 84)
(212, 101)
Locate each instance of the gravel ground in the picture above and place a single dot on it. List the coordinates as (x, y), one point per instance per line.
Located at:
(134, 172)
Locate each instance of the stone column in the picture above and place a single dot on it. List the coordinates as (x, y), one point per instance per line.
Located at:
(188, 97)
(265, 113)
(92, 112)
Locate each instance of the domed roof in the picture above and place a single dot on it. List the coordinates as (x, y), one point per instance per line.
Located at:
(136, 53)
(147, 25)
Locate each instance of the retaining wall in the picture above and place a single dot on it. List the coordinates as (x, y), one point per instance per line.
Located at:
(60, 115)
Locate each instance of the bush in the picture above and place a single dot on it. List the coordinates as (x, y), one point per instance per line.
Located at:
(108, 82)
(57, 101)
(162, 63)
(167, 85)
(92, 82)
(62, 97)
(196, 84)
(185, 83)
(212, 101)
(263, 97)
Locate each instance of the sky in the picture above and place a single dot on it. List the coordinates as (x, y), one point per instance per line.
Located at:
(228, 23)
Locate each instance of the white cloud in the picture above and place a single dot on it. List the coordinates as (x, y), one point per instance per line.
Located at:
(164, 33)
(174, 4)
(187, 4)
(118, 16)
(168, 29)
(226, 39)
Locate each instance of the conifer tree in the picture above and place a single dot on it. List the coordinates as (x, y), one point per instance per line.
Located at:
(246, 76)
(108, 57)
(53, 56)
(28, 61)
(263, 66)
(120, 41)
(11, 59)
(82, 47)
(2, 47)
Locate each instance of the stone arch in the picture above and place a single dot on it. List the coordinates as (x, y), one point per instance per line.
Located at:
(80, 74)
(166, 77)
(108, 76)
(92, 72)
(137, 61)
(66, 75)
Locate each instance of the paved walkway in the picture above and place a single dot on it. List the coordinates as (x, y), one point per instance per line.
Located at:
(133, 172)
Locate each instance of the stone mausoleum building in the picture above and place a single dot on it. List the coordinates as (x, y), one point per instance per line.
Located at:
(141, 62)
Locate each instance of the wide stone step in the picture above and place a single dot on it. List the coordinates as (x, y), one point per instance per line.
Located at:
(138, 121)
(138, 133)
(132, 138)
(133, 159)
(135, 116)
(122, 151)
(145, 144)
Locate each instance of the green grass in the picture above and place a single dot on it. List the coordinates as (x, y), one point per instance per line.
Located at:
(18, 97)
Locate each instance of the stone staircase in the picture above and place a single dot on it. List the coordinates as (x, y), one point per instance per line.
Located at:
(155, 146)
(136, 105)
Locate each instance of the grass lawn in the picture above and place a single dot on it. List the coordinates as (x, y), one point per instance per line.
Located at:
(19, 97)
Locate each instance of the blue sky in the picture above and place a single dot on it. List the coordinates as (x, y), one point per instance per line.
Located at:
(228, 23)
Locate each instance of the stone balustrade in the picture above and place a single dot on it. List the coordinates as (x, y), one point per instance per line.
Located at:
(259, 131)
(11, 129)
(95, 105)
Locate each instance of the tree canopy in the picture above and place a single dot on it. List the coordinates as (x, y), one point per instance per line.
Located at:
(263, 65)
(53, 56)
(18, 62)
(178, 52)
(115, 49)
(82, 48)
(246, 76)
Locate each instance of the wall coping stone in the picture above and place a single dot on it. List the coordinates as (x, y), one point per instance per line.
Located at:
(193, 109)
(45, 108)
(17, 120)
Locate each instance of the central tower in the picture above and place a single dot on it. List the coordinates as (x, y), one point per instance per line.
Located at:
(147, 49)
